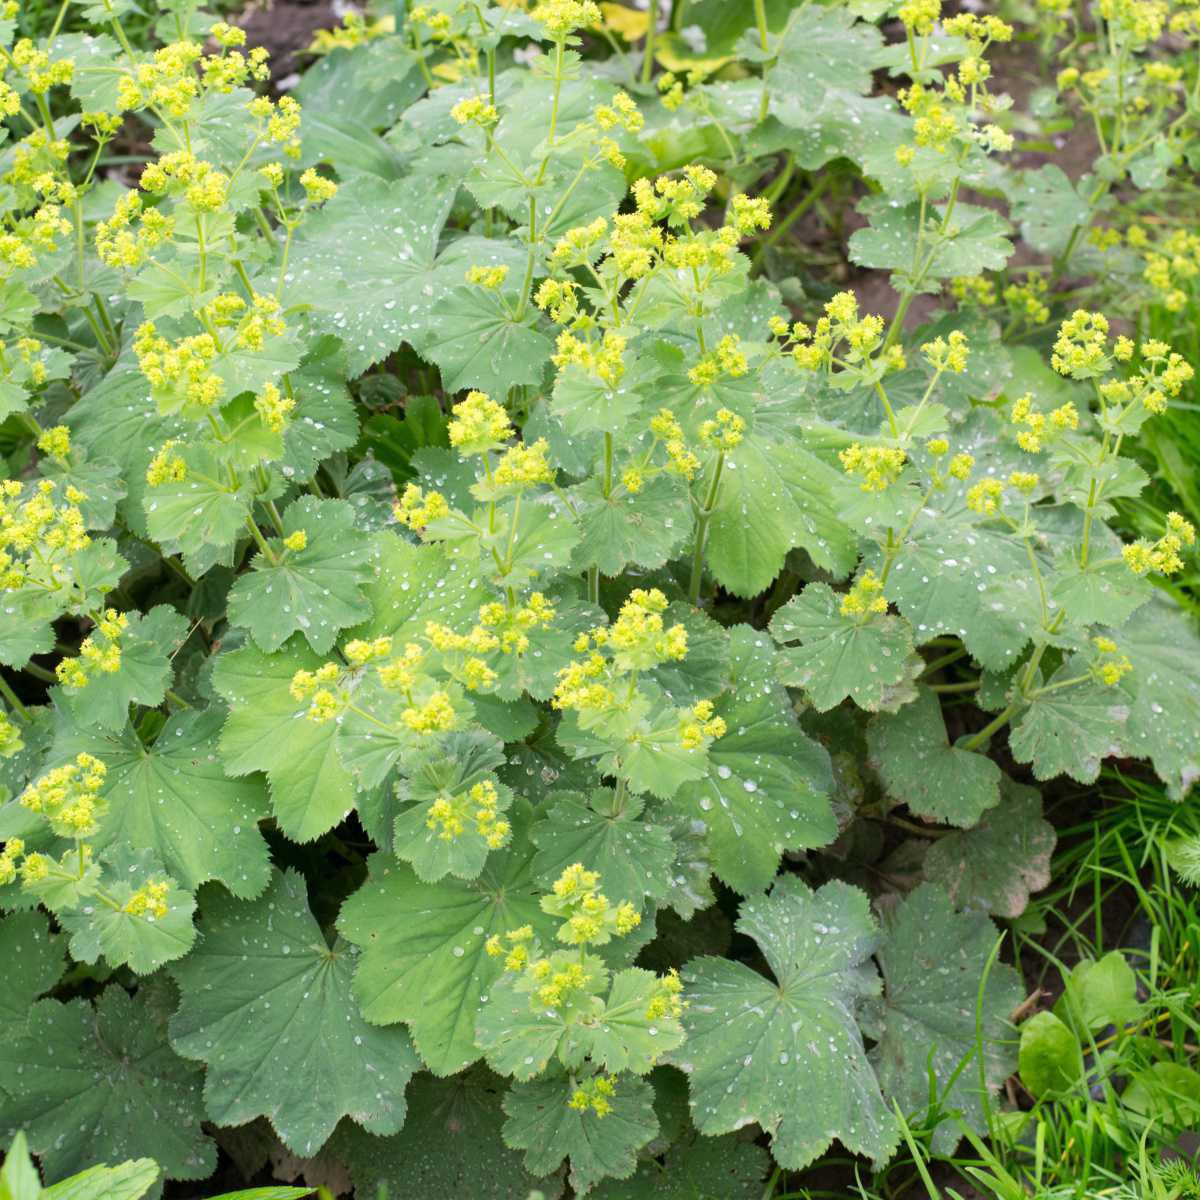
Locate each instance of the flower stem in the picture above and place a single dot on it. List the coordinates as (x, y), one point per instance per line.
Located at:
(11, 697)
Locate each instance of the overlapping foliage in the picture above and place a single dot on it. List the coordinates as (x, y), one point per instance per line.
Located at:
(378, 794)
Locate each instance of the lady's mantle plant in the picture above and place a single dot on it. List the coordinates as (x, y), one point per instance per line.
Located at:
(358, 800)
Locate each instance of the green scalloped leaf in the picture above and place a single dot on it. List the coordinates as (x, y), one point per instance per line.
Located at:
(174, 797)
(971, 581)
(476, 340)
(463, 760)
(108, 1070)
(147, 644)
(872, 661)
(198, 516)
(364, 261)
(647, 529)
(317, 591)
(997, 864)
(584, 403)
(724, 1168)
(311, 791)
(143, 943)
(934, 961)
(1071, 731)
(1164, 716)
(768, 783)
(423, 959)
(976, 240)
(774, 496)
(541, 1123)
(34, 961)
(414, 582)
(911, 752)
(633, 854)
(520, 1040)
(1107, 593)
(450, 1146)
(267, 1006)
(788, 1052)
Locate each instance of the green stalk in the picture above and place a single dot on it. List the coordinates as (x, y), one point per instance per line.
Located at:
(651, 35)
(702, 521)
(760, 20)
(11, 697)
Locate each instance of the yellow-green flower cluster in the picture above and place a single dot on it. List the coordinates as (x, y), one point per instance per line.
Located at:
(667, 1002)
(99, 653)
(417, 507)
(36, 535)
(1159, 380)
(55, 442)
(726, 359)
(36, 69)
(279, 122)
(748, 214)
(489, 278)
(274, 408)
(475, 110)
(1027, 300)
(314, 686)
(666, 429)
(960, 466)
(603, 357)
(1163, 556)
(943, 116)
(589, 917)
(512, 623)
(985, 497)
(149, 901)
(433, 715)
(501, 628)
(478, 424)
(27, 238)
(865, 598)
(920, 16)
(841, 338)
(1138, 21)
(400, 674)
(116, 242)
(68, 797)
(560, 299)
(948, 353)
(560, 18)
(524, 465)
(317, 189)
(359, 651)
(180, 372)
(877, 466)
(1034, 428)
(166, 466)
(579, 244)
(637, 641)
(699, 726)
(10, 858)
(594, 1095)
(22, 366)
(177, 74)
(194, 182)
(724, 432)
(1081, 349)
(11, 740)
(449, 815)
(1111, 666)
(973, 289)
